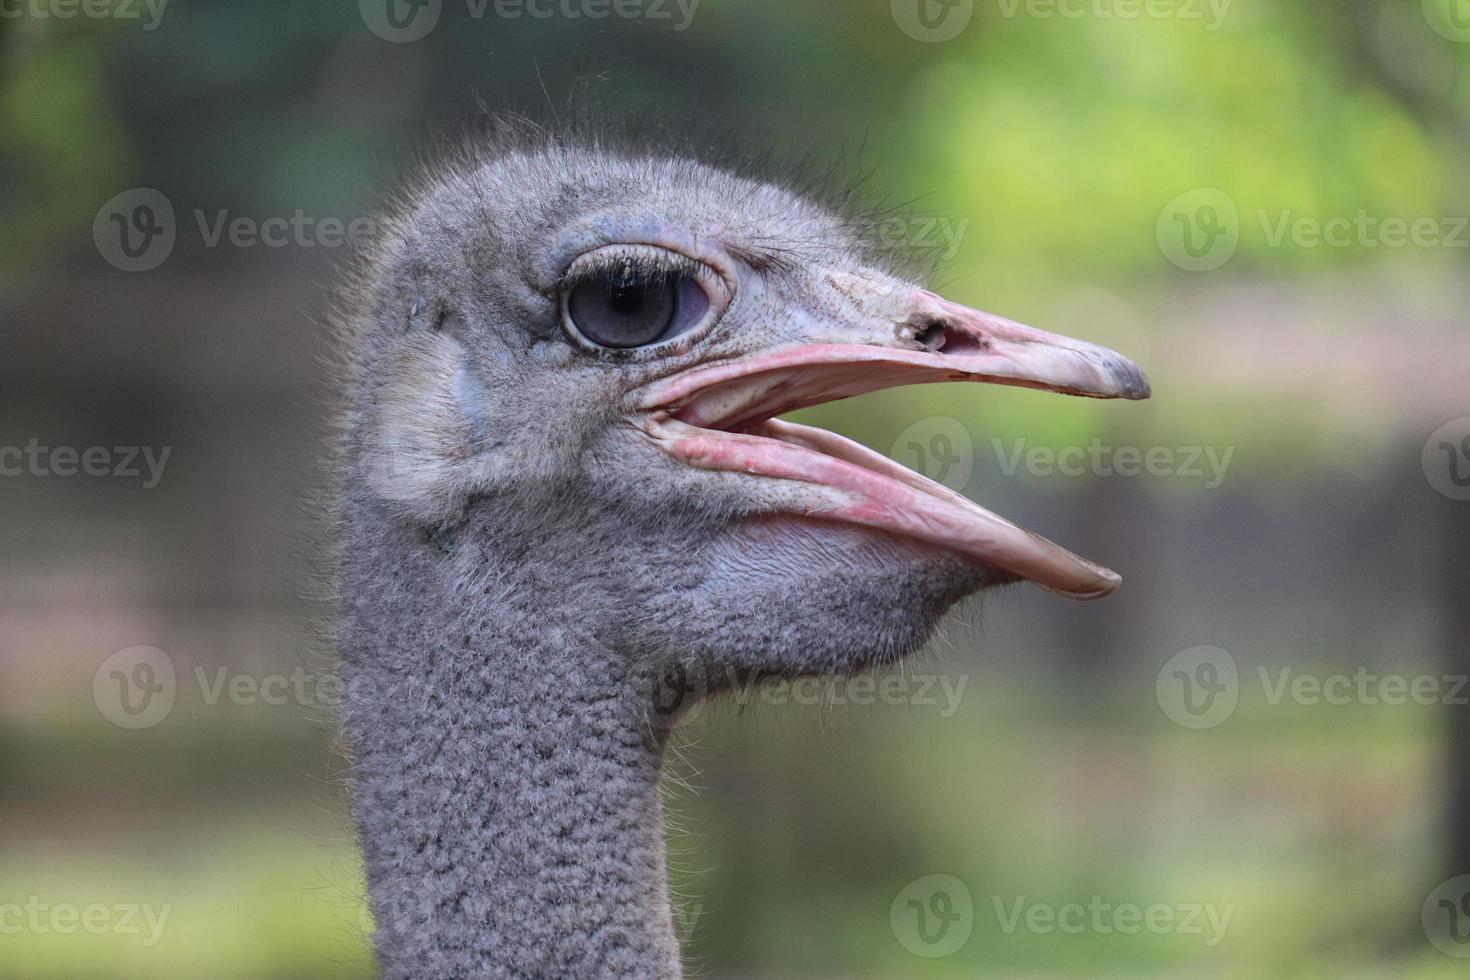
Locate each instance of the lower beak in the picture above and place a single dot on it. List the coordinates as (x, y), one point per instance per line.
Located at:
(718, 417)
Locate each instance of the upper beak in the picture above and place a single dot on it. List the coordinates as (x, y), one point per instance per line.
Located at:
(721, 417)
(1022, 355)
(941, 341)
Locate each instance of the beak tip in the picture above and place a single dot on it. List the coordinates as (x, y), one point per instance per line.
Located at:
(1111, 582)
(1129, 380)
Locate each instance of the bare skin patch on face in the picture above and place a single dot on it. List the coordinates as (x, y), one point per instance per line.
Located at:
(423, 430)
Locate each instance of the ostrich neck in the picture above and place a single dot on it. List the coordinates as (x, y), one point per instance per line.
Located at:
(506, 786)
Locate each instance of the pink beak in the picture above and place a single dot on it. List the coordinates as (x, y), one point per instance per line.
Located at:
(722, 417)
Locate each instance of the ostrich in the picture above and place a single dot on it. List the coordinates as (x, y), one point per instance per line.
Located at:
(564, 484)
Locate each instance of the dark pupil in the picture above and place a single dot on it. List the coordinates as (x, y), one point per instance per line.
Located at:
(626, 298)
(624, 309)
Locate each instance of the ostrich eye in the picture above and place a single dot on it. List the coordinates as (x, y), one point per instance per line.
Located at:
(631, 305)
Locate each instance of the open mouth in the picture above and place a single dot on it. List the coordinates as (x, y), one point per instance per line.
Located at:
(723, 417)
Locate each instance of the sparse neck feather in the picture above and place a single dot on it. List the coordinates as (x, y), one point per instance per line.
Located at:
(507, 780)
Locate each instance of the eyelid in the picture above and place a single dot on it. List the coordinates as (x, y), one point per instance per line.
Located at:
(599, 261)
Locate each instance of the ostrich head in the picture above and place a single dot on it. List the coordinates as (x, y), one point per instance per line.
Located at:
(563, 459)
(593, 349)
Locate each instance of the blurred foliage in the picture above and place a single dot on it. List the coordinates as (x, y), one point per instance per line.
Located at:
(1058, 140)
(1263, 109)
(1287, 813)
(1167, 814)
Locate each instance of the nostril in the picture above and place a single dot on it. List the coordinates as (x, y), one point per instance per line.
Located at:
(938, 334)
(944, 337)
(933, 335)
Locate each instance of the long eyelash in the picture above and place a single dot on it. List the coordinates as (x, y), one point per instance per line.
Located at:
(642, 264)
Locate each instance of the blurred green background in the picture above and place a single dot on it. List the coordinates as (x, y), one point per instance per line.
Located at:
(1144, 175)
